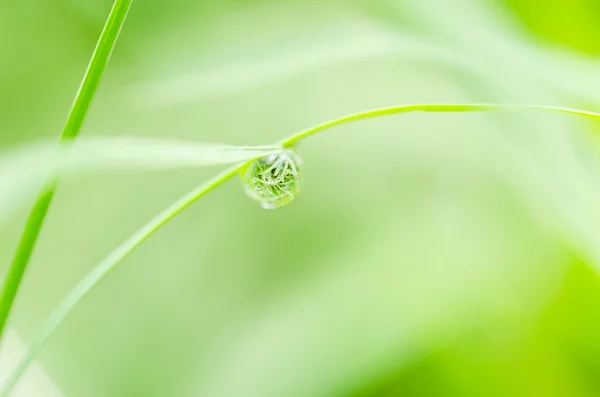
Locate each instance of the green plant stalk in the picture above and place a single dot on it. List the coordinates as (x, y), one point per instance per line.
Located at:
(112, 260)
(108, 264)
(433, 108)
(79, 109)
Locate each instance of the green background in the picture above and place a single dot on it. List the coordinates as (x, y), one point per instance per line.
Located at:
(427, 255)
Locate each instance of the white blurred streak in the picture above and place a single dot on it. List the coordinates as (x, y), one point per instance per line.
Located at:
(35, 383)
(23, 171)
(363, 41)
(92, 154)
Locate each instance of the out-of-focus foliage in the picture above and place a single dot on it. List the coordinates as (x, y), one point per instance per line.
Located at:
(446, 255)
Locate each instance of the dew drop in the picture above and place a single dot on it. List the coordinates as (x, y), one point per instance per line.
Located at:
(273, 180)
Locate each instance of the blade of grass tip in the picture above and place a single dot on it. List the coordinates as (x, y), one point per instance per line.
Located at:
(23, 170)
(83, 100)
(98, 153)
(108, 264)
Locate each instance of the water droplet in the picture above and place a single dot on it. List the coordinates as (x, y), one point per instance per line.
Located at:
(273, 180)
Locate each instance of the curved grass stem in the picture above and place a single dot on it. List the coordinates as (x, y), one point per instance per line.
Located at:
(121, 252)
(104, 268)
(433, 108)
(81, 105)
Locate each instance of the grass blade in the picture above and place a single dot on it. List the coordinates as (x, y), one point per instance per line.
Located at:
(23, 171)
(433, 108)
(108, 264)
(120, 253)
(81, 105)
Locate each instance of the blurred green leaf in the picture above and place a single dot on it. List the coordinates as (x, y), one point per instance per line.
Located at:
(24, 170)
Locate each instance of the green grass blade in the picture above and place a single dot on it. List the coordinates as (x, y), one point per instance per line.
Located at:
(83, 100)
(433, 108)
(108, 264)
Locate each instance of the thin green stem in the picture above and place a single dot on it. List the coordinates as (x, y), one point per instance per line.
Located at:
(79, 109)
(108, 264)
(117, 256)
(432, 108)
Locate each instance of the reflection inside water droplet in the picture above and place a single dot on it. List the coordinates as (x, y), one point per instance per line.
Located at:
(273, 180)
